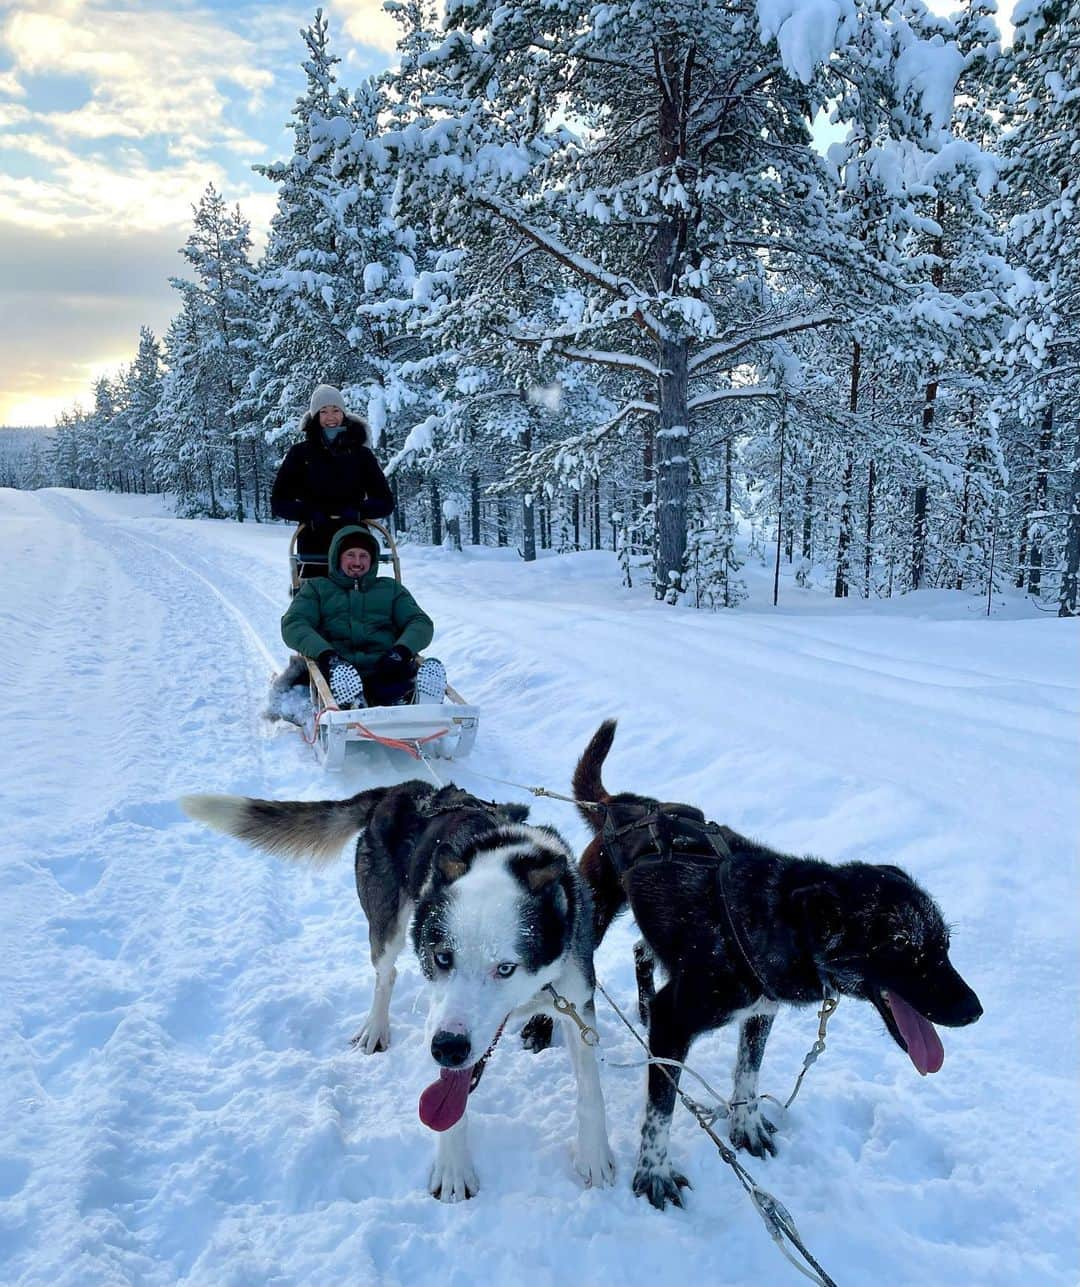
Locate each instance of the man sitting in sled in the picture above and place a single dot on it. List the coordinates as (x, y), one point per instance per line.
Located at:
(363, 630)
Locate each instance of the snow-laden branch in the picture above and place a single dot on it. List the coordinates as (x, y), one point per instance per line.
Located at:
(725, 395)
(620, 287)
(603, 357)
(789, 326)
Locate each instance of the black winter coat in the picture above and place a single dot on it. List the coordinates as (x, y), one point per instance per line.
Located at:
(326, 486)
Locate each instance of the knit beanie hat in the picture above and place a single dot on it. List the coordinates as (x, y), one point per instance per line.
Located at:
(363, 540)
(325, 396)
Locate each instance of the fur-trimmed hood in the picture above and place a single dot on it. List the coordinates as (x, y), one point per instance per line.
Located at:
(355, 431)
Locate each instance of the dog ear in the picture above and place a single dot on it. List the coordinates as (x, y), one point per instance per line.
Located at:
(538, 878)
(513, 812)
(452, 868)
(539, 870)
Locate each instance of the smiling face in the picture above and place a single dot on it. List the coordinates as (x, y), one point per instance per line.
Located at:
(331, 417)
(355, 562)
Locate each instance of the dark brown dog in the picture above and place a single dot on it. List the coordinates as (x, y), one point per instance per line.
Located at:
(740, 929)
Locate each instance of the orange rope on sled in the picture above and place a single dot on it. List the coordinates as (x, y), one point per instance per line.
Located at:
(314, 728)
(411, 747)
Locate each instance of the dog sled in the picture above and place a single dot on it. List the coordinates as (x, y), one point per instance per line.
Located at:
(445, 730)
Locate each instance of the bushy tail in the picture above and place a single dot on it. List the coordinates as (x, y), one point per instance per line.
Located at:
(316, 830)
(587, 784)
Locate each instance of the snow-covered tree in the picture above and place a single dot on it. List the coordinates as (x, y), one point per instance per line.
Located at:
(1041, 79)
(654, 167)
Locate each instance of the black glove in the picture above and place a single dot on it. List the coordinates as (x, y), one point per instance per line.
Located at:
(317, 518)
(399, 663)
(350, 515)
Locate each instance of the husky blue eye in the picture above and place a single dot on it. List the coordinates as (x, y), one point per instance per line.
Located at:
(505, 969)
(443, 960)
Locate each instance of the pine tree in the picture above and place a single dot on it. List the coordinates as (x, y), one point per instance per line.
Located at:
(1041, 79)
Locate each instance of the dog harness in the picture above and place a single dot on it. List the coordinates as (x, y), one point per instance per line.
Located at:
(679, 835)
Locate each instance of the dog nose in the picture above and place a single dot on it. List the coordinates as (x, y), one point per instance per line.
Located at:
(972, 1011)
(451, 1049)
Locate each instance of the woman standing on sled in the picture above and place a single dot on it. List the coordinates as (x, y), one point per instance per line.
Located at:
(329, 480)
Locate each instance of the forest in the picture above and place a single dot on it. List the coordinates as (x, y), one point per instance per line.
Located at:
(690, 280)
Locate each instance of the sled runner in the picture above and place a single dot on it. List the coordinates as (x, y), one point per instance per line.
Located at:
(447, 729)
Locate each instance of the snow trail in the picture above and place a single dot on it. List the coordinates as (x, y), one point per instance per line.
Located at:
(180, 1103)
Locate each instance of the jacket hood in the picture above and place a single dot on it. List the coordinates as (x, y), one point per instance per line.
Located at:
(354, 430)
(334, 555)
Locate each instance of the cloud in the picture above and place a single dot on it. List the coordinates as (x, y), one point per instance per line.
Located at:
(368, 23)
(72, 308)
(11, 85)
(114, 117)
(162, 74)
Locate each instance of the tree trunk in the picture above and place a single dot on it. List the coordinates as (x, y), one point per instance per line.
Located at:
(474, 505)
(672, 466)
(453, 530)
(868, 554)
(727, 476)
(779, 508)
(238, 481)
(674, 67)
(255, 476)
(596, 513)
(213, 497)
(500, 522)
(1071, 574)
(919, 516)
(436, 512)
(528, 529)
(843, 544)
(1042, 480)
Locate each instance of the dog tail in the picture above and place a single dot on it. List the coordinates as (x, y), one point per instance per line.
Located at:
(588, 787)
(312, 829)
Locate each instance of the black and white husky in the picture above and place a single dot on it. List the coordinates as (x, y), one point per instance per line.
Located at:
(499, 915)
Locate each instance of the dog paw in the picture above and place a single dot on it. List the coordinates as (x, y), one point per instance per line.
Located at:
(372, 1038)
(537, 1033)
(452, 1182)
(595, 1166)
(661, 1185)
(750, 1129)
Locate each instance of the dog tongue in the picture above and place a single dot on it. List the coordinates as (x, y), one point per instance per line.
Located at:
(442, 1104)
(923, 1044)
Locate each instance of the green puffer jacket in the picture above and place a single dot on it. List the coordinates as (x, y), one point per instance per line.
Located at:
(360, 620)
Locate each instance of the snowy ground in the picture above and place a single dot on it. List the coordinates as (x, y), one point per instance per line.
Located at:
(180, 1104)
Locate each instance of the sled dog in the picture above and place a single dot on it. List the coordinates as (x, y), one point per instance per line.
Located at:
(740, 929)
(499, 913)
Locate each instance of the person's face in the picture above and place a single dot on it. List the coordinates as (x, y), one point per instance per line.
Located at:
(331, 417)
(355, 561)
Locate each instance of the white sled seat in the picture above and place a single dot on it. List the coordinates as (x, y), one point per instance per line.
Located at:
(445, 729)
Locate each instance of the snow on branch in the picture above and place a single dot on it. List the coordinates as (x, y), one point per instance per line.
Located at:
(739, 391)
(789, 326)
(621, 287)
(620, 361)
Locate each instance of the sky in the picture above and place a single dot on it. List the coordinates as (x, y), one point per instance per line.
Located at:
(114, 117)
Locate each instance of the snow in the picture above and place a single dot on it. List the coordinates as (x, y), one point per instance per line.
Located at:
(180, 1103)
(929, 70)
(806, 31)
